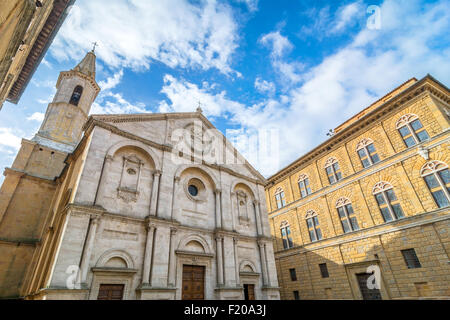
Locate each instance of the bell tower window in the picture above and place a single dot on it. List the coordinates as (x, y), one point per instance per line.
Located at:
(76, 95)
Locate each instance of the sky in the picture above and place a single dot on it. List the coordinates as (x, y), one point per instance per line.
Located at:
(293, 68)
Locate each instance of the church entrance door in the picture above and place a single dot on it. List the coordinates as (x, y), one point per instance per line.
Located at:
(249, 291)
(110, 292)
(193, 283)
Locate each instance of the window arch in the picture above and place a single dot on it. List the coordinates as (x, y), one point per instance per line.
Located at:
(285, 230)
(411, 129)
(367, 153)
(387, 201)
(347, 215)
(76, 95)
(280, 198)
(303, 185)
(333, 171)
(437, 177)
(312, 222)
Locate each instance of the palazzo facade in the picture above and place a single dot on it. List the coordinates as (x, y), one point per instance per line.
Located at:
(366, 214)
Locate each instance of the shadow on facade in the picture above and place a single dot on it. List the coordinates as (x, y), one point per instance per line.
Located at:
(339, 268)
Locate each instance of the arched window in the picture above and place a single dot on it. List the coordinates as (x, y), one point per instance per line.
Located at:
(411, 129)
(367, 152)
(312, 223)
(347, 215)
(76, 95)
(387, 201)
(280, 198)
(437, 178)
(303, 185)
(333, 171)
(286, 235)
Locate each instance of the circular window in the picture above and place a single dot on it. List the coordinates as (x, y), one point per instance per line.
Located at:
(193, 190)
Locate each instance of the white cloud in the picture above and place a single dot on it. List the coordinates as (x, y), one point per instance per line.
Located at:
(347, 14)
(325, 23)
(114, 103)
(264, 86)
(178, 33)
(252, 5)
(278, 44)
(9, 139)
(111, 82)
(37, 116)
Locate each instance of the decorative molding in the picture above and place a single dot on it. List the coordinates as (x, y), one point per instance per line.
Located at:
(381, 186)
(432, 166)
(405, 119)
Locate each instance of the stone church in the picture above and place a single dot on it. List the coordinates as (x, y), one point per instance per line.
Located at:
(131, 206)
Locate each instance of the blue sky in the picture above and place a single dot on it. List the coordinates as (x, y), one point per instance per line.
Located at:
(300, 67)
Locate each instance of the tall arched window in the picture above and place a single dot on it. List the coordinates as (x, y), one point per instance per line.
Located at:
(437, 178)
(411, 130)
(303, 185)
(312, 223)
(333, 171)
(286, 235)
(280, 198)
(346, 215)
(367, 152)
(387, 201)
(76, 95)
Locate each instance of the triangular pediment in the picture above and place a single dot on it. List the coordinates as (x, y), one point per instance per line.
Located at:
(172, 129)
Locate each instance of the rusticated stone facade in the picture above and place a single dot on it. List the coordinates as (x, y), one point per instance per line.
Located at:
(346, 251)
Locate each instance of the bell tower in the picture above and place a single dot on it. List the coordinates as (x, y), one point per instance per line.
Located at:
(69, 110)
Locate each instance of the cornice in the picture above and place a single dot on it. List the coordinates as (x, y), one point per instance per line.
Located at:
(93, 122)
(426, 85)
(379, 166)
(25, 175)
(374, 231)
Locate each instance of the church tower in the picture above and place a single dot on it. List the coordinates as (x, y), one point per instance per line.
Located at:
(31, 182)
(69, 110)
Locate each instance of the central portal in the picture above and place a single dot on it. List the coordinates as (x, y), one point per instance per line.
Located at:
(193, 283)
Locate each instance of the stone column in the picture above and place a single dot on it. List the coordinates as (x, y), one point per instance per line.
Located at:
(172, 258)
(89, 247)
(259, 228)
(236, 260)
(103, 176)
(218, 193)
(155, 192)
(148, 254)
(176, 184)
(219, 240)
(233, 200)
(262, 254)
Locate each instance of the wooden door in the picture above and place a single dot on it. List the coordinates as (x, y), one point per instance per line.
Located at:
(193, 283)
(110, 292)
(368, 294)
(249, 291)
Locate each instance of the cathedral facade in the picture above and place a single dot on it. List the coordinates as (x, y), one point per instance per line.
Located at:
(138, 206)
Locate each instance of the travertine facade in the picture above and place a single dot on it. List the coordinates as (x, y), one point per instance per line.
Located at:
(369, 211)
(130, 205)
